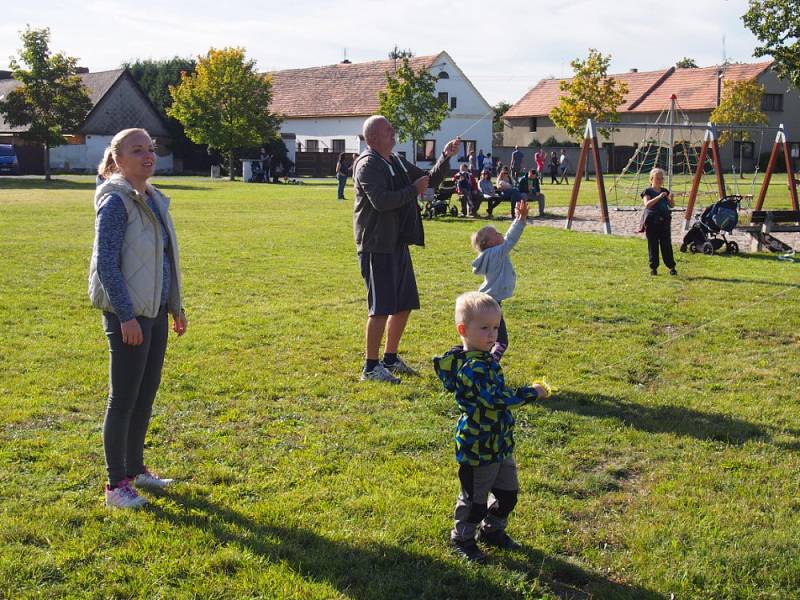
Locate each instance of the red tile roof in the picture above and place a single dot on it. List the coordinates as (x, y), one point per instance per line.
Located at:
(649, 91)
(340, 90)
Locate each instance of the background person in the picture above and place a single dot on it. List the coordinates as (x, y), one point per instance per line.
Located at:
(516, 162)
(386, 220)
(135, 279)
(553, 167)
(342, 170)
(539, 158)
(529, 185)
(563, 166)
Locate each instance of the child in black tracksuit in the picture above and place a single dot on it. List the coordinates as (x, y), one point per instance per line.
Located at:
(657, 220)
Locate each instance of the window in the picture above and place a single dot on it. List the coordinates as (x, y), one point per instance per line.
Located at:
(532, 124)
(443, 97)
(426, 150)
(453, 102)
(312, 145)
(444, 75)
(772, 103)
(743, 149)
(337, 146)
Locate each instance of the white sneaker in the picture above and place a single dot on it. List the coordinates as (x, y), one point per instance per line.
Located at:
(146, 479)
(123, 496)
(379, 373)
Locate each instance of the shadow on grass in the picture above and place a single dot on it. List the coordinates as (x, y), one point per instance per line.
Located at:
(39, 183)
(677, 420)
(376, 571)
(738, 280)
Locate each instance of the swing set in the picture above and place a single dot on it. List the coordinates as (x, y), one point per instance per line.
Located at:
(690, 161)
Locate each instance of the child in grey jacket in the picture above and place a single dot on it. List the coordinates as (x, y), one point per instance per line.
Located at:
(494, 263)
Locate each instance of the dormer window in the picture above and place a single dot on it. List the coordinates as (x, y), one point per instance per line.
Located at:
(444, 75)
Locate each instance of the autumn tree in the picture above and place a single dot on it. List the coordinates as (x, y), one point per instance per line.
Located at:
(776, 24)
(589, 94)
(410, 103)
(740, 104)
(51, 100)
(225, 103)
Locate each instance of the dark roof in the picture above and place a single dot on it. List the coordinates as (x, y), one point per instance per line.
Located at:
(97, 85)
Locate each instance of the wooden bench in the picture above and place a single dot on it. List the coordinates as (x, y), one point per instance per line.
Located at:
(763, 223)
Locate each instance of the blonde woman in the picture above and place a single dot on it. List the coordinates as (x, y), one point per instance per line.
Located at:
(135, 279)
(657, 220)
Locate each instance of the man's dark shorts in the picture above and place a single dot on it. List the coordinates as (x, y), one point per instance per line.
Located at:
(391, 285)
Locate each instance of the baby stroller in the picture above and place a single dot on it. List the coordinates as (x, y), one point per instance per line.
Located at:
(437, 202)
(718, 218)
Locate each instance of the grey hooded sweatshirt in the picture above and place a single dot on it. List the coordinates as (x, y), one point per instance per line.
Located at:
(495, 265)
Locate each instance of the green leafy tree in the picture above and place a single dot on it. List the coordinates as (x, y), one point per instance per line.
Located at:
(686, 63)
(155, 77)
(740, 105)
(590, 94)
(225, 103)
(500, 109)
(51, 100)
(411, 105)
(776, 24)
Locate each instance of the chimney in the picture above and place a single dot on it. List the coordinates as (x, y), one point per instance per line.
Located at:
(634, 70)
(345, 62)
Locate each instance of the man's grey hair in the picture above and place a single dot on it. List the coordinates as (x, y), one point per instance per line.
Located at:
(368, 131)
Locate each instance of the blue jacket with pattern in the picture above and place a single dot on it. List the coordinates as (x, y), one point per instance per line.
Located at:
(485, 431)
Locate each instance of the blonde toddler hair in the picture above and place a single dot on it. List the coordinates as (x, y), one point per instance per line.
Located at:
(108, 166)
(656, 171)
(471, 304)
(478, 238)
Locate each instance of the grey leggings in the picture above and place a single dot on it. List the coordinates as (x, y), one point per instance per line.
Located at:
(134, 377)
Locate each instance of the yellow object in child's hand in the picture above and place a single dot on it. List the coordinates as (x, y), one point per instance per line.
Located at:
(548, 388)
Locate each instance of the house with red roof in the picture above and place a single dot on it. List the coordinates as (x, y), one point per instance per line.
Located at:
(649, 93)
(325, 107)
(118, 102)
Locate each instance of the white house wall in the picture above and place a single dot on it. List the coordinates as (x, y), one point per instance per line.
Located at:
(86, 157)
(472, 119)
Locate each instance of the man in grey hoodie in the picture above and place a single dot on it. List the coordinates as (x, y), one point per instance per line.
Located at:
(494, 263)
(386, 220)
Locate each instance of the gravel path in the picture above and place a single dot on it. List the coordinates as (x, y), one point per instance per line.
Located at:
(626, 223)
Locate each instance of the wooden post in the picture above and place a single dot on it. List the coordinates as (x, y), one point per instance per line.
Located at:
(787, 153)
(762, 193)
(576, 187)
(601, 188)
(698, 175)
(717, 164)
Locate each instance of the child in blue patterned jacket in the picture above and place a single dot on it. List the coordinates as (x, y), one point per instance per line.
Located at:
(484, 434)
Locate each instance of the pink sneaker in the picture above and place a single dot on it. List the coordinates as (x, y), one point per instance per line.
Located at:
(123, 496)
(146, 479)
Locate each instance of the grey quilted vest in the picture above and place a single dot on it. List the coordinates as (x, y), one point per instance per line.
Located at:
(142, 251)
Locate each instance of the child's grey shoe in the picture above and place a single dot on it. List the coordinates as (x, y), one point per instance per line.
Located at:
(379, 373)
(468, 550)
(398, 367)
(498, 539)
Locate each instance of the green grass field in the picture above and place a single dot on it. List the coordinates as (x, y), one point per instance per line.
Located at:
(665, 464)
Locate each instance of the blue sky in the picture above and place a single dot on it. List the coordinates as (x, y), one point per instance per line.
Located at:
(504, 48)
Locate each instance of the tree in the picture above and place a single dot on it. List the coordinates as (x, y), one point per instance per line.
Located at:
(590, 94)
(740, 105)
(225, 103)
(500, 109)
(686, 63)
(155, 77)
(397, 53)
(52, 99)
(776, 24)
(411, 105)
